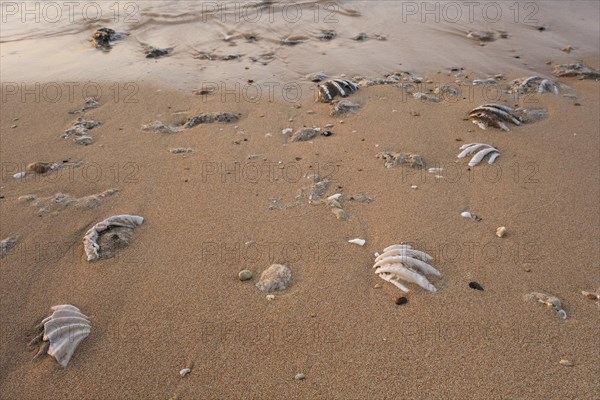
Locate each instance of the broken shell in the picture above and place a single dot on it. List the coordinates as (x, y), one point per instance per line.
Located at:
(550, 301)
(566, 363)
(184, 372)
(19, 175)
(340, 214)
(482, 151)
(466, 214)
(335, 196)
(39, 167)
(299, 377)
(270, 297)
(328, 90)
(360, 242)
(92, 236)
(592, 296)
(501, 231)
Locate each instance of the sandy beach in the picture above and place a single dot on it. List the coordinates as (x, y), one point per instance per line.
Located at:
(239, 198)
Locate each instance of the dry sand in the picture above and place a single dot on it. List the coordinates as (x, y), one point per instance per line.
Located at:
(172, 299)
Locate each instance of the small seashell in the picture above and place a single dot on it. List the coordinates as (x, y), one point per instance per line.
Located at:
(19, 175)
(466, 214)
(360, 242)
(184, 372)
(501, 231)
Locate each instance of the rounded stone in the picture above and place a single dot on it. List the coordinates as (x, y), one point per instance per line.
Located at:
(245, 275)
(276, 277)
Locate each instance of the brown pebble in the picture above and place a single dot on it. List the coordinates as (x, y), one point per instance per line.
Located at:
(566, 363)
(567, 49)
(527, 270)
(576, 104)
(592, 296)
(13, 126)
(401, 301)
(39, 167)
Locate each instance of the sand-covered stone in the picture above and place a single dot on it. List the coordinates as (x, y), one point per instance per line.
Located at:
(275, 278)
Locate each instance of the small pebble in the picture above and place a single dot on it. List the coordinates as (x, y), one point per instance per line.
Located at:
(13, 126)
(475, 285)
(299, 377)
(567, 49)
(501, 231)
(184, 372)
(270, 297)
(566, 363)
(329, 126)
(401, 301)
(245, 275)
(326, 133)
(377, 286)
(527, 269)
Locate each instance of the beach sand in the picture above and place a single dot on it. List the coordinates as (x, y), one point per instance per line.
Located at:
(172, 299)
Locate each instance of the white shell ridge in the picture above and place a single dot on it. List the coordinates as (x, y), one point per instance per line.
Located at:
(360, 242)
(90, 240)
(64, 330)
(482, 151)
(402, 262)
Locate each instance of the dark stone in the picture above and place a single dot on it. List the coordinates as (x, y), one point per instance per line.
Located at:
(156, 53)
(209, 118)
(401, 301)
(475, 285)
